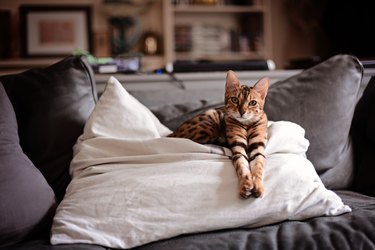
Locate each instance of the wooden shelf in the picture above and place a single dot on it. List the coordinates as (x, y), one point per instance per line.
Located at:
(25, 63)
(17, 65)
(226, 56)
(217, 9)
(150, 63)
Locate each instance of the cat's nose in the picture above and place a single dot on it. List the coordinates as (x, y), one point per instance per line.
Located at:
(242, 112)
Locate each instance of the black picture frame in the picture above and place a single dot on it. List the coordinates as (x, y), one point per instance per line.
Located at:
(54, 30)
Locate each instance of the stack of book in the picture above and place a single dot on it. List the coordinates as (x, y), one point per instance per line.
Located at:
(208, 40)
(182, 38)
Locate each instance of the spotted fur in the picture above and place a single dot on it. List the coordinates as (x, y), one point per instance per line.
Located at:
(241, 125)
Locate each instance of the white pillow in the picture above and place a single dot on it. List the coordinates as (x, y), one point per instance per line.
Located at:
(131, 186)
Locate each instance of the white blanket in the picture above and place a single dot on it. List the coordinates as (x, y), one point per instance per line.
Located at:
(132, 186)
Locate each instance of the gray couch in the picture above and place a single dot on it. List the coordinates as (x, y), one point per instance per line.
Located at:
(42, 113)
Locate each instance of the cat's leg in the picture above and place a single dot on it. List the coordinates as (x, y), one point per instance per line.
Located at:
(256, 153)
(257, 169)
(244, 175)
(237, 140)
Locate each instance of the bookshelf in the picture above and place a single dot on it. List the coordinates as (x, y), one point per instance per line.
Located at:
(220, 31)
(239, 23)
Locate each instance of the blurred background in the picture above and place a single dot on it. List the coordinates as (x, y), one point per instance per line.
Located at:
(291, 33)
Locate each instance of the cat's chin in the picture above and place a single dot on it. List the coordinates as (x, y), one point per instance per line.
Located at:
(246, 120)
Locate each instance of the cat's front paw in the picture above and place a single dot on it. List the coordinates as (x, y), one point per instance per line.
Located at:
(258, 189)
(246, 186)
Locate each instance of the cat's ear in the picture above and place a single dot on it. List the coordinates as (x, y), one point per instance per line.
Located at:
(232, 81)
(261, 86)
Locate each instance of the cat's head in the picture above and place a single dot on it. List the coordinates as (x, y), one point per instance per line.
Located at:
(243, 103)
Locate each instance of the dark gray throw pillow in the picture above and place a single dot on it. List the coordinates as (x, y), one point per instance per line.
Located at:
(363, 135)
(27, 202)
(322, 100)
(52, 105)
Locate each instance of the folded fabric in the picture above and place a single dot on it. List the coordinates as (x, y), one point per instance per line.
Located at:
(131, 185)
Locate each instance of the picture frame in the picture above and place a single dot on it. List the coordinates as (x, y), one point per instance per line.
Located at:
(54, 30)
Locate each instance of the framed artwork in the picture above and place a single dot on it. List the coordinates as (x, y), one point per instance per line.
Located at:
(54, 30)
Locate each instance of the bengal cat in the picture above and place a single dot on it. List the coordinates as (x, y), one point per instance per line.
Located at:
(241, 125)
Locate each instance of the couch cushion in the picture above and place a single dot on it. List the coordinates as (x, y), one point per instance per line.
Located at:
(322, 100)
(363, 134)
(27, 202)
(52, 105)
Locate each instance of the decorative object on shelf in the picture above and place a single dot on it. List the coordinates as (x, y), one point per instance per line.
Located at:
(151, 43)
(122, 40)
(125, 23)
(54, 30)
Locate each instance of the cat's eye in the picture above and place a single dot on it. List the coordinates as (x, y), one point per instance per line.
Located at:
(252, 103)
(234, 100)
